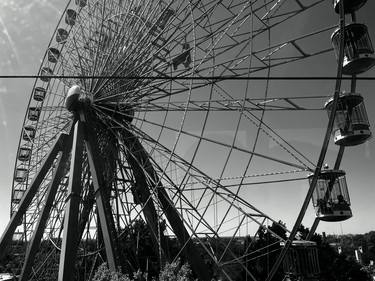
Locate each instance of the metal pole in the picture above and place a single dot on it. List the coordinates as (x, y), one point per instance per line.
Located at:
(313, 229)
(70, 240)
(50, 197)
(30, 193)
(86, 210)
(102, 201)
(141, 193)
(191, 252)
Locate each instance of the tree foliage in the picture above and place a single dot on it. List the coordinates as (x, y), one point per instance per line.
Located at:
(263, 252)
(335, 266)
(351, 242)
(104, 274)
(140, 259)
(137, 249)
(174, 271)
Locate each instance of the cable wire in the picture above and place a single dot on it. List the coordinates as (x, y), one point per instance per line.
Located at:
(181, 77)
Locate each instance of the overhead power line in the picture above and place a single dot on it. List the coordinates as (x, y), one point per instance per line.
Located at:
(212, 78)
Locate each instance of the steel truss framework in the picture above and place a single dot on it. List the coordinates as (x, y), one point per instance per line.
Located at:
(122, 158)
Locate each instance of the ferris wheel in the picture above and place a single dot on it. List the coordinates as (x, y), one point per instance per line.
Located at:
(165, 112)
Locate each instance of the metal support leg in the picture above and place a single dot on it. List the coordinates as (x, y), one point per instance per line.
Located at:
(30, 193)
(143, 194)
(70, 240)
(38, 233)
(148, 206)
(313, 229)
(191, 253)
(86, 210)
(102, 201)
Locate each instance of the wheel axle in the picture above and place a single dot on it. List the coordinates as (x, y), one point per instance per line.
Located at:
(76, 99)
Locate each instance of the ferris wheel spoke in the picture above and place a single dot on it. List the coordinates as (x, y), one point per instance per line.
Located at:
(295, 46)
(110, 48)
(127, 180)
(73, 59)
(178, 194)
(267, 57)
(216, 45)
(159, 93)
(86, 215)
(271, 13)
(35, 165)
(51, 130)
(149, 96)
(202, 210)
(151, 175)
(138, 154)
(200, 218)
(265, 128)
(201, 177)
(255, 104)
(252, 215)
(139, 55)
(223, 144)
(98, 47)
(141, 193)
(82, 65)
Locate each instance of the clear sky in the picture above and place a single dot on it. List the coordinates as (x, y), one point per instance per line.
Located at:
(25, 30)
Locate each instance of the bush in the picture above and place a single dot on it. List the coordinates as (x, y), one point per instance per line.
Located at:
(171, 272)
(175, 272)
(104, 274)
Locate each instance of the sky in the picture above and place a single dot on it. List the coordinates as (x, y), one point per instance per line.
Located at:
(25, 30)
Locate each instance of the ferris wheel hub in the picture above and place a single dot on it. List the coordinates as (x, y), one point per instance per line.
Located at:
(76, 99)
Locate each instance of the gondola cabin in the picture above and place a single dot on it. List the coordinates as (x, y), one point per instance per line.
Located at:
(331, 197)
(350, 6)
(357, 48)
(17, 196)
(24, 154)
(33, 113)
(70, 17)
(53, 55)
(28, 133)
(351, 122)
(46, 74)
(301, 261)
(39, 93)
(20, 175)
(81, 3)
(61, 35)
